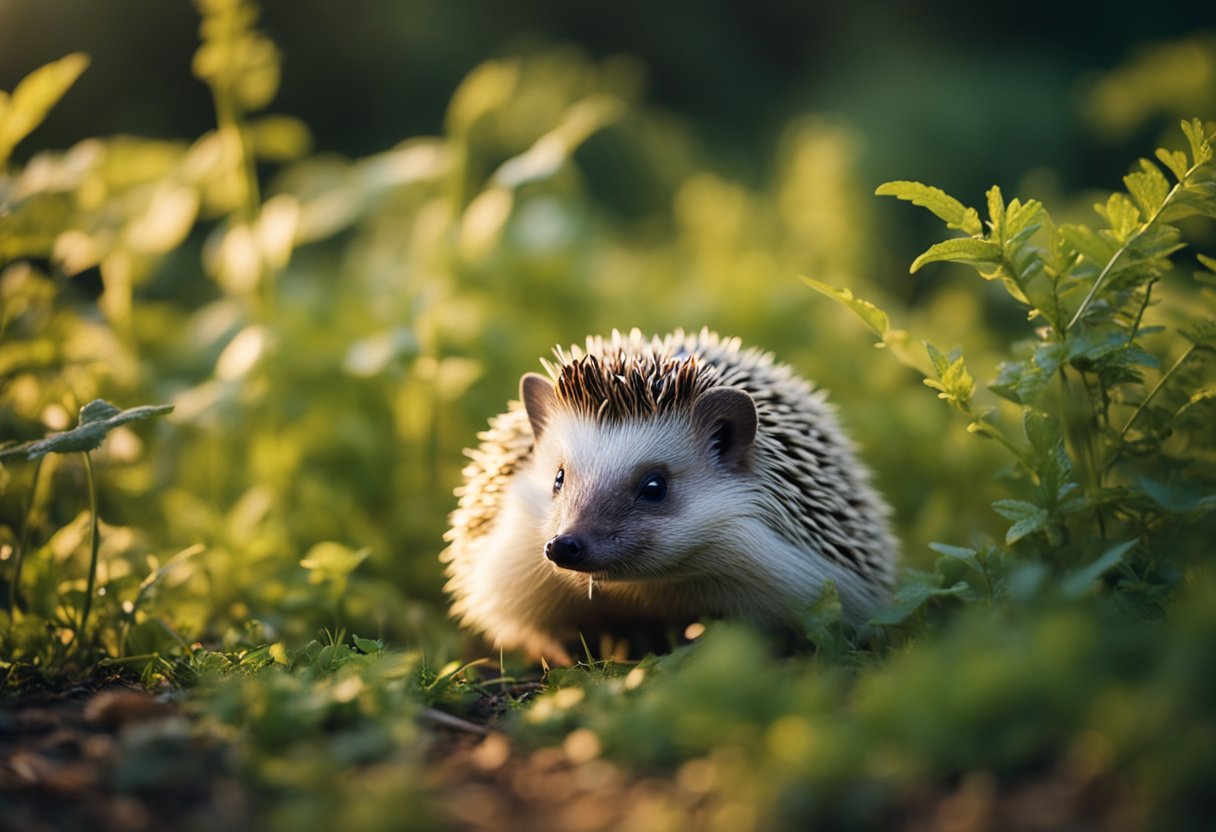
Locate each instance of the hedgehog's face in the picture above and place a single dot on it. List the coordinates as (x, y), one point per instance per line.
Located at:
(639, 499)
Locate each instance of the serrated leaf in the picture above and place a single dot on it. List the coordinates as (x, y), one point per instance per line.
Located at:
(1019, 381)
(1092, 346)
(954, 213)
(1131, 357)
(954, 381)
(1198, 197)
(967, 556)
(910, 597)
(1202, 334)
(1201, 148)
(871, 315)
(958, 380)
(1022, 219)
(966, 250)
(1026, 526)
(1121, 214)
(996, 212)
(97, 418)
(1095, 248)
(1016, 509)
(1148, 187)
(1078, 583)
(1175, 160)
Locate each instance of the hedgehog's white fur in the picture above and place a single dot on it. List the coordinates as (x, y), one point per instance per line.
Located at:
(757, 544)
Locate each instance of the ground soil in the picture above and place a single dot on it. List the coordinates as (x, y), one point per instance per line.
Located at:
(110, 755)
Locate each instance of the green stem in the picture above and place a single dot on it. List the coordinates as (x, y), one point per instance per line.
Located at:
(229, 116)
(14, 588)
(1156, 388)
(1148, 293)
(1127, 244)
(95, 541)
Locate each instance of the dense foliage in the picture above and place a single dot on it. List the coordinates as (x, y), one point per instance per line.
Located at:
(303, 343)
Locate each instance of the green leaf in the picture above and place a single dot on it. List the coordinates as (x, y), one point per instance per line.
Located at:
(911, 597)
(1020, 381)
(940, 362)
(97, 418)
(1208, 277)
(967, 250)
(1092, 346)
(823, 626)
(1028, 518)
(1043, 431)
(1202, 334)
(1175, 160)
(34, 97)
(1091, 245)
(1148, 187)
(954, 381)
(871, 315)
(328, 561)
(946, 207)
(1015, 509)
(1201, 148)
(1078, 583)
(1121, 214)
(996, 212)
(1025, 527)
(967, 556)
(368, 645)
(1022, 219)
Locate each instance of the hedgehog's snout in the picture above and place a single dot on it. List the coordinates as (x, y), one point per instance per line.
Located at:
(566, 550)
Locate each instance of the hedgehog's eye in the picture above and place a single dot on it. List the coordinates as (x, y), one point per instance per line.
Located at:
(559, 479)
(652, 488)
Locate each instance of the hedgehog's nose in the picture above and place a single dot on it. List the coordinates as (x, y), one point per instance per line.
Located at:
(565, 550)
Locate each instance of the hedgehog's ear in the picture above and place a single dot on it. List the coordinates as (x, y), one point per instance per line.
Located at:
(539, 398)
(725, 418)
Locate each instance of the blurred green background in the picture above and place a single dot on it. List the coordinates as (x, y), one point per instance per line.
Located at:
(408, 203)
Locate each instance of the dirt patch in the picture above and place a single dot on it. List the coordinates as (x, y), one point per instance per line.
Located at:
(110, 757)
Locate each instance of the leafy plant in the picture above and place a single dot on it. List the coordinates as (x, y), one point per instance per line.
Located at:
(1105, 478)
(97, 418)
(333, 331)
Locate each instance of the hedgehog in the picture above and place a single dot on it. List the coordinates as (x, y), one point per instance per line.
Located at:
(660, 482)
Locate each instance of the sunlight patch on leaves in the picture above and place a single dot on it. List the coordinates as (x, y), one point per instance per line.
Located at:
(33, 97)
(871, 315)
(965, 250)
(946, 207)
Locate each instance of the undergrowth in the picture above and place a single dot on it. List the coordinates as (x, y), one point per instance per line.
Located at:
(320, 332)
